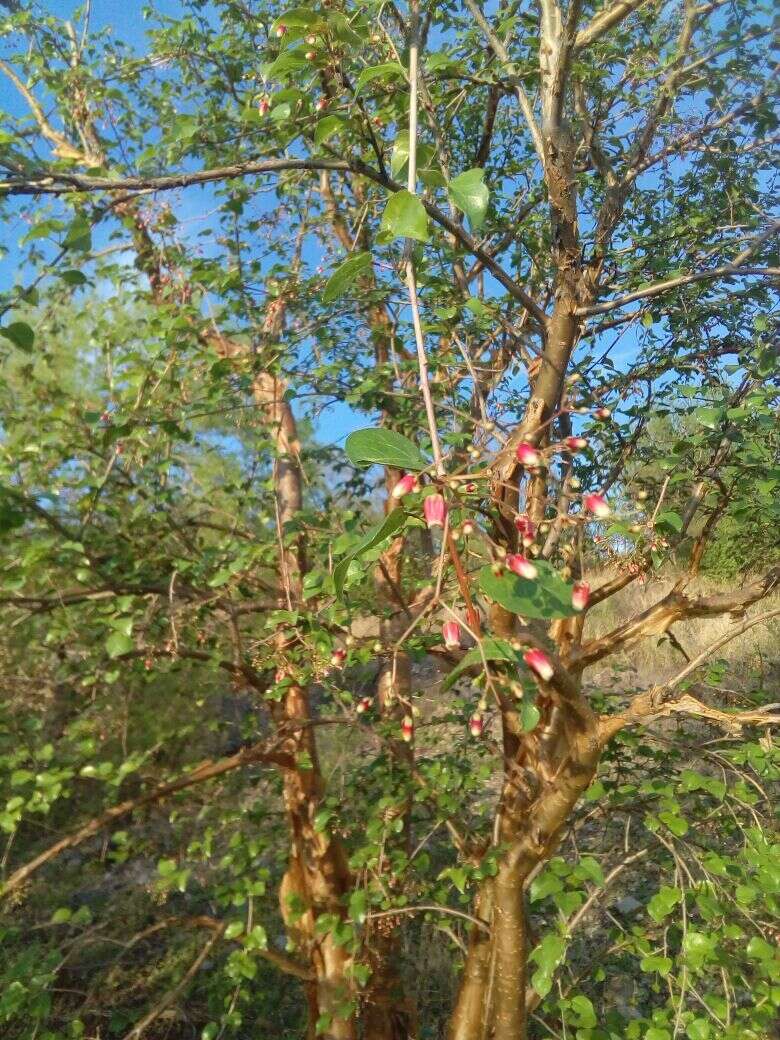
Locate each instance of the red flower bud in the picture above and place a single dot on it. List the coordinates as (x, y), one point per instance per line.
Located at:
(597, 505)
(405, 486)
(526, 528)
(576, 443)
(527, 455)
(435, 511)
(468, 527)
(539, 662)
(522, 567)
(407, 728)
(450, 630)
(580, 595)
(310, 55)
(338, 657)
(363, 705)
(475, 725)
(602, 413)
(322, 104)
(281, 29)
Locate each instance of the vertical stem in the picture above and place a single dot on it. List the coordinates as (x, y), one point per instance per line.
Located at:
(411, 280)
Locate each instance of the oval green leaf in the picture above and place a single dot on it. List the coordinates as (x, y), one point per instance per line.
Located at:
(390, 70)
(470, 194)
(404, 217)
(344, 276)
(548, 596)
(20, 334)
(383, 447)
(392, 522)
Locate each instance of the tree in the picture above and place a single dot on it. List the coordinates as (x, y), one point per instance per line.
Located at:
(533, 224)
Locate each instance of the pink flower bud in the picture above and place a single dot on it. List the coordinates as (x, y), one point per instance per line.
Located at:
(263, 106)
(527, 455)
(576, 443)
(451, 632)
(322, 104)
(602, 413)
(471, 487)
(526, 528)
(281, 29)
(522, 567)
(363, 705)
(338, 657)
(597, 505)
(468, 527)
(405, 486)
(475, 725)
(580, 595)
(407, 728)
(539, 662)
(435, 511)
(311, 40)
(310, 55)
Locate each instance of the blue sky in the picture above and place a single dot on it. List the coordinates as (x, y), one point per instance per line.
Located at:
(126, 22)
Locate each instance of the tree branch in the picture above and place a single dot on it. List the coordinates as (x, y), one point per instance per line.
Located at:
(207, 770)
(674, 607)
(151, 1017)
(604, 21)
(502, 54)
(657, 701)
(726, 271)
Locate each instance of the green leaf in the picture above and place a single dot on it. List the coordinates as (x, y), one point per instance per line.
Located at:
(548, 596)
(389, 70)
(400, 157)
(61, 916)
(72, 277)
(117, 644)
(663, 902)
(676, 824)
(548, 954)
(709, 417)
(655, 962)
(591, 868)
(287, 62)
(492, 649)
(529, 716)
(123, 625)
(699, 1029)
(671, 519)
(583, 1007)
(327, 127)
(345, 275)
(20, 334)
(358, 905)
(375, 445)
(257, 939)
(79, 236)
(234, 929)
(404, 217)
(698, 948)
(297, 18)
(471, 195)
(392, 522)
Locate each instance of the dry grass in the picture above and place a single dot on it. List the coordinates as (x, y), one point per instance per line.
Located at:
(752, 656)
